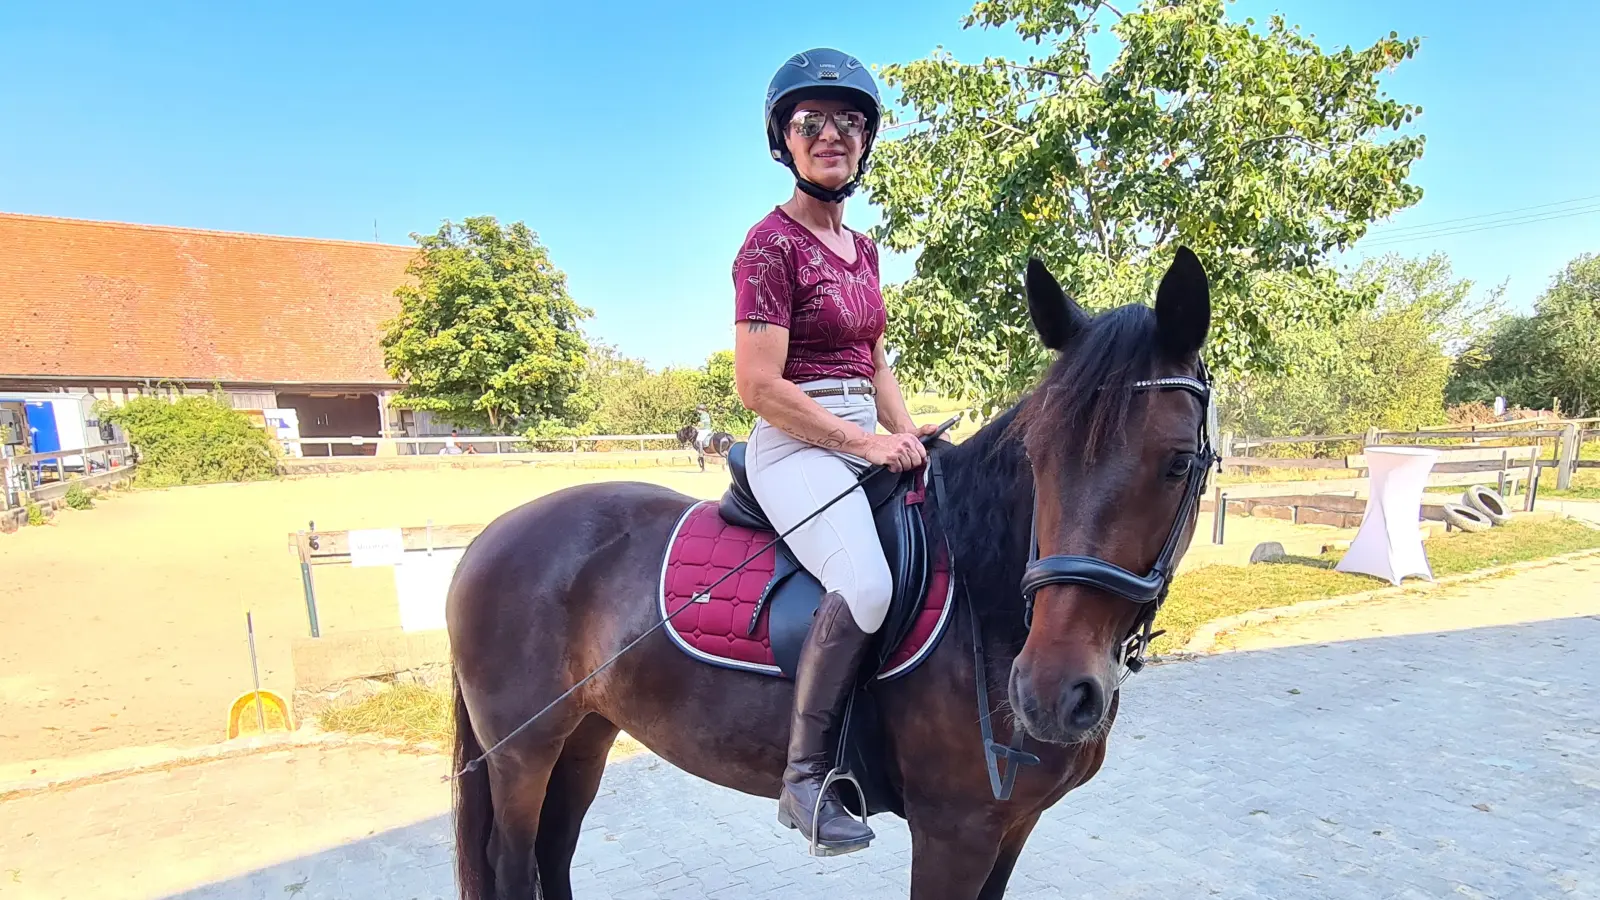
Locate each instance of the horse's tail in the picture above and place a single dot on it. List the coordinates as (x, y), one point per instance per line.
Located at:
(474, 810)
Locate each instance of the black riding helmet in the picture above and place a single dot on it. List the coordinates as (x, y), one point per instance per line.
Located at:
(816, 74)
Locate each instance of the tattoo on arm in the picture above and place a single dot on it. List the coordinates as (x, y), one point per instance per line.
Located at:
(833, 440)
(756, 327)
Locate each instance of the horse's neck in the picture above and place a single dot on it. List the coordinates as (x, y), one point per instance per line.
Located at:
(989, 492)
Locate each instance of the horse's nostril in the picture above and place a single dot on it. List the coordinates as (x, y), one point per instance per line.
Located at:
(1085, 703)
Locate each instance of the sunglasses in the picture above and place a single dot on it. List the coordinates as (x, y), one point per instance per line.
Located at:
(808, 123)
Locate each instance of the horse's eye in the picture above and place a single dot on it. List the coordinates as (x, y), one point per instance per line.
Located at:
(1180, 466)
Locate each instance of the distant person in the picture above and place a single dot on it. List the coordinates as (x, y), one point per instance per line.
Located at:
(809, 361)
(703, 426)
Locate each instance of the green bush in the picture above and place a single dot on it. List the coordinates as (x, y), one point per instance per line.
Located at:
(196, 439)
(79, 497)
(36, 515)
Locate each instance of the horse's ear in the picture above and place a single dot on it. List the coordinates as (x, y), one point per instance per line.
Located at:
(1183, 306)
(1055, 316)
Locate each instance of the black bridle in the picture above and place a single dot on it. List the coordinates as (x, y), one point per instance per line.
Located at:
(1149, 590)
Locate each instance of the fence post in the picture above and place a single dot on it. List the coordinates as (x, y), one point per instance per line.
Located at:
(1567, 456)
(302, 548)
(1373, 437)
(1533, 489)
(1505, 463)
(1218, 515)
(1533, 478)
(1225, 444)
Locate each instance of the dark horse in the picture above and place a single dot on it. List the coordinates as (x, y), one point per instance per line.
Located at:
(1100, 457)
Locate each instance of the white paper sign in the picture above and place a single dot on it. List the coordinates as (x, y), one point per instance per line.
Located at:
(421, 581)
(376, 547)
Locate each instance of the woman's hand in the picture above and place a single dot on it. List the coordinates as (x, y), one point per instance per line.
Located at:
(926, 430)
(897, 452)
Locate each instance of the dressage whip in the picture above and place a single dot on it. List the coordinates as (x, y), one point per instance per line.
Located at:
(473, 765)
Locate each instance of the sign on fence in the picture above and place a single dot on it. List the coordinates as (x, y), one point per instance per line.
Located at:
(376, 547)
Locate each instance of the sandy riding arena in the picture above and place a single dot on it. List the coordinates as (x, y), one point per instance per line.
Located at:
(125, 625)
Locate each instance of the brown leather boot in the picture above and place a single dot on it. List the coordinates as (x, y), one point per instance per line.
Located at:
(830, 660)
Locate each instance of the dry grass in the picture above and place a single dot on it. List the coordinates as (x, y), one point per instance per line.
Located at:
(1214, 592)
(409, 712)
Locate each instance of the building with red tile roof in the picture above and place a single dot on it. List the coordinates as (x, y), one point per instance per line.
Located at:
(112, 309)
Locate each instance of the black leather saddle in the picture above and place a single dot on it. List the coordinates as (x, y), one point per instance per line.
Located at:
(792, 597)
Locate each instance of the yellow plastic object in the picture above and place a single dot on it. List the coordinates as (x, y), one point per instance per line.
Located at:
(243, 719)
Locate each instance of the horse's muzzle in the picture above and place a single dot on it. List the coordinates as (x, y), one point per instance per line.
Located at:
(1060, 710)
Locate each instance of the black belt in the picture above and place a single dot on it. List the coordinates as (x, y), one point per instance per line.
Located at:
(847, 391)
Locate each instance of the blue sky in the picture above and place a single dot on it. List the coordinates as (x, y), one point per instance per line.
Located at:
(629, 134)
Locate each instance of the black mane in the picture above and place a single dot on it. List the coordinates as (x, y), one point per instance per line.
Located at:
(1078, 409)
(1082, 403)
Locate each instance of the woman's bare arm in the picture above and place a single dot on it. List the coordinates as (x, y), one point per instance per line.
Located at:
(760, 350)
(892, 412)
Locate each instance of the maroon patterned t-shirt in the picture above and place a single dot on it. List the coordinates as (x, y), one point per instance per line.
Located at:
(833, 310)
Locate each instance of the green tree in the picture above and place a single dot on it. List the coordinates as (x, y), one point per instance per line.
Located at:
(1551, 356)
(721, 397)
(487, 335)
(1252, 146)
(622, 395)
(1383, 367)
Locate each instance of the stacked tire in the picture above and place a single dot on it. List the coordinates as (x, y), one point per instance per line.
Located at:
(1479, 510)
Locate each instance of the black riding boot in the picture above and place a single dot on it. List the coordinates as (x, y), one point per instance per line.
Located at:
(829, 662)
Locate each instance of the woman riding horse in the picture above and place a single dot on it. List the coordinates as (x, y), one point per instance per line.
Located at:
(809, 361)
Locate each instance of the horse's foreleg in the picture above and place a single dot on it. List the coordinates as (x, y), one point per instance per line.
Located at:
(572, 786)
(951, 859)
(1010, 849)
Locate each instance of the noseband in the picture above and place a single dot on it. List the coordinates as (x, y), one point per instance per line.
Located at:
(1149, 590)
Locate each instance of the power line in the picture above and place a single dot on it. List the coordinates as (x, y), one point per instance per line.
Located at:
(1451, 232)
(1490, 226)
(1491, 215)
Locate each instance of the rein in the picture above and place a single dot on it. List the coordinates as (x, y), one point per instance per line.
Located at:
(993, 751)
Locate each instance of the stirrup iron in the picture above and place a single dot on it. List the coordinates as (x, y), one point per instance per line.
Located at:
(839, 773)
